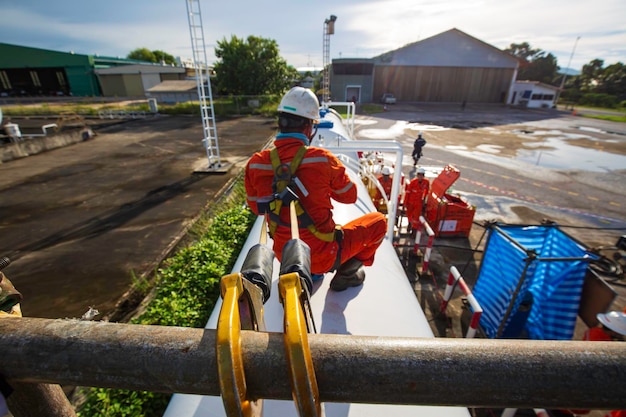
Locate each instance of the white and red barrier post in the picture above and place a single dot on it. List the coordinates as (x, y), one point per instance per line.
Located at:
(510, 412)
(429, 245)
(455, 277)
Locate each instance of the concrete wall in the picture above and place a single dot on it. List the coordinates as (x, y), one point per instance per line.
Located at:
(32, 146)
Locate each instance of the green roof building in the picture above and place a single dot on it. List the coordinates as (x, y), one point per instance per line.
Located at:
(26, 71)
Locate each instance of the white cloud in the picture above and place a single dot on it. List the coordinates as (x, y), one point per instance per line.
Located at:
(363, 29)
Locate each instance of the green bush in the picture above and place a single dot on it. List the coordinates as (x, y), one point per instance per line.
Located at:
(186, 289)
(598, 100)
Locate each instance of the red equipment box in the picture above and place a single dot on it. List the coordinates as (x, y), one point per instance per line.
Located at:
(446, 214)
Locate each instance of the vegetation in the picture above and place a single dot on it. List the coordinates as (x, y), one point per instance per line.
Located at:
(251, 67)
(223, 107)
(535, 64)
(186, 289)
(596, 86)
(156, 56)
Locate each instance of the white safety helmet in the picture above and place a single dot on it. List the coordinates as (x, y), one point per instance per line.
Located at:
(387, 170)
(421, 171)
(614, 320)
(301, 102)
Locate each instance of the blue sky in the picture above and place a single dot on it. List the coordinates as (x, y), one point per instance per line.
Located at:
(364, 28)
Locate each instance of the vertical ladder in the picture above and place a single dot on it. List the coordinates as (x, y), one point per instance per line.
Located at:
(201, 66)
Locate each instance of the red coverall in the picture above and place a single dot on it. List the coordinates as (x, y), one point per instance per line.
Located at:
(324, 177)
(415, 193)
(386, 181)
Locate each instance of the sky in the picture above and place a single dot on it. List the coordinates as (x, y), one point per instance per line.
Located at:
(574, 31)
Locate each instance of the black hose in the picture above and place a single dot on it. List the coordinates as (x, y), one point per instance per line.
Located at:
(4, 262)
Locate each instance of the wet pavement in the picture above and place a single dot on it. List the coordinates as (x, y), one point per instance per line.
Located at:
(517, 167)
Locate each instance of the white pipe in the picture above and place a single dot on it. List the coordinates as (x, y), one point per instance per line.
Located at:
(378, 146)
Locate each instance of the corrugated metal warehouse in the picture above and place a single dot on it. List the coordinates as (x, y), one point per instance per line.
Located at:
(137, 79)
(449, 67)
(26, 71)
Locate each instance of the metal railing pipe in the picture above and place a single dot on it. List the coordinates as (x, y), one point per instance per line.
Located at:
(358, 369)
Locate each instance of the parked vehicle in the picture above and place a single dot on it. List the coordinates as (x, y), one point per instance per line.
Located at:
(388, 98)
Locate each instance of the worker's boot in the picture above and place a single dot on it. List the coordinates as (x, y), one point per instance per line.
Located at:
(349, 274)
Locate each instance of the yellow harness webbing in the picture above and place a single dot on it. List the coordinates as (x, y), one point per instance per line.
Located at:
(283, 176)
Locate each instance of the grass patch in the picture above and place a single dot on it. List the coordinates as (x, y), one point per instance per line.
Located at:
(371, 109)
(185, 293)
(222, 107)
(612, 118)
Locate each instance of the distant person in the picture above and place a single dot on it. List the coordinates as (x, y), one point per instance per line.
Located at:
(385, 178)
(315, 176)
(612, 326)
(419, 143)
(415, 198)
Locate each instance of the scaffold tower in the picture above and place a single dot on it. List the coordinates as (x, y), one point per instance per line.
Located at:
(203, 83)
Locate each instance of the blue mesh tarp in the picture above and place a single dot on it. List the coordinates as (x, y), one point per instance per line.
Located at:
(542, 260)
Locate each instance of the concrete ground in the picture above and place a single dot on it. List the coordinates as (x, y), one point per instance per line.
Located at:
(578, 189)
(82, 222)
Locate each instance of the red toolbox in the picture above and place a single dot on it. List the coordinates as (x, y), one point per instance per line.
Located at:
(446, 214)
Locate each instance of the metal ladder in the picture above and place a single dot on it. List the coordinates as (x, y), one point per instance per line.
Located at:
(201, 66)
(326, 65)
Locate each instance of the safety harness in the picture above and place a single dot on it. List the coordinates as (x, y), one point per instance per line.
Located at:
(284, 187)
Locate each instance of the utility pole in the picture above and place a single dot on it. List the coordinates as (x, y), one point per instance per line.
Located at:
(558, 93)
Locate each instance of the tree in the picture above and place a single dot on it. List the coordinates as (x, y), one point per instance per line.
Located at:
(157, 56)
(523, 51)
(590, 75)
(536, 65)
(610, 80)
(251, 67)
(613, 80)
(164, 57)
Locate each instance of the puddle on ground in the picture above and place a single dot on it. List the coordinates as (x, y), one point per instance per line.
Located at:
(555, 152)
(552, 149)
(562, 155)
(398, 130)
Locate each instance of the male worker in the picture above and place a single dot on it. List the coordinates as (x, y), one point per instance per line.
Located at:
(314, 176)
(415, 196)
(417, 148)
(386, 181)
(612, 326)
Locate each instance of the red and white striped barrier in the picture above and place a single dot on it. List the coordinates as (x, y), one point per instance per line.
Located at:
(453, 277)
(429, 244)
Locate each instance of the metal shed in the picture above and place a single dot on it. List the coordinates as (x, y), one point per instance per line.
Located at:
(136, 79)
(533, 94)
(26, 71)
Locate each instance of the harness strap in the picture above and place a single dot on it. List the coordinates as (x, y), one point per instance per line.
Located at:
(283, 177)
